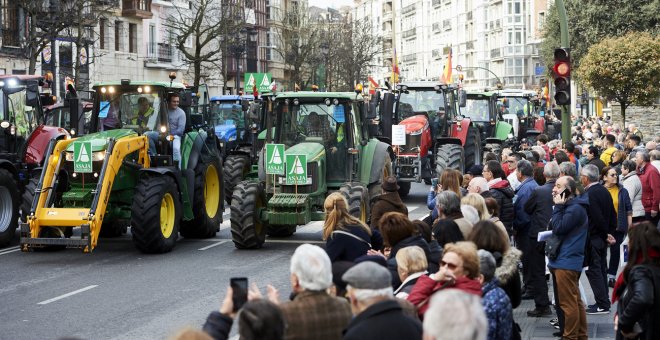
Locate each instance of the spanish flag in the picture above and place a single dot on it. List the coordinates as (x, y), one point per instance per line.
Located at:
(446, 72)
(373, 85)
(395, 68)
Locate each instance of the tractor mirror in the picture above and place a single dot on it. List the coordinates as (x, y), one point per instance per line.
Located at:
(196, 120)
(185, 99)
(32, 95)
(462, 98)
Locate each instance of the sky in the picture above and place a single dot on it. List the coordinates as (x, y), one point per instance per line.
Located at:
(330, 3)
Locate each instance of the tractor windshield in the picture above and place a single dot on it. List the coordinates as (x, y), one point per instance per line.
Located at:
(224, 111)
(311, 122)
(477, 109)
(518, 105)
(420, 102)
(17, 112)
(131, 109)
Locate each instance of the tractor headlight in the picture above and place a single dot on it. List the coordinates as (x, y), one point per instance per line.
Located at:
(98, 156)
(163, 128)
(418, 132)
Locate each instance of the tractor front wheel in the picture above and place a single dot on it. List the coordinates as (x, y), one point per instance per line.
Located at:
(248, 231)
(235, 168)
(8, 206)
(358, 203)
(207, 203)
(155, 214)
(449, 156)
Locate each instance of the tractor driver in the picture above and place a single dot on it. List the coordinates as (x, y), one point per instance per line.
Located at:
(317, 127)
(142, 114)
(177, 122)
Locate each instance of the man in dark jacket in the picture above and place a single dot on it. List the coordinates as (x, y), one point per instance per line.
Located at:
(539, 207)
(602, 218)
(522, 220)
(501, 191)
(388, 201)
(593, 158)
(377, 315)
(569, 223)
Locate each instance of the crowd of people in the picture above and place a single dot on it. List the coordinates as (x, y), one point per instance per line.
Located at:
(498, 234)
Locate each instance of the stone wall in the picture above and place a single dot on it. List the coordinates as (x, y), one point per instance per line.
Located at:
(647, 119)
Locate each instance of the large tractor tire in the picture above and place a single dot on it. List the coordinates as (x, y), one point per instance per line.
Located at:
(235, 167)
(9, 202)
(472, 148)
(449, 156)
(155, 214)
(404, 188)
(207, 203)
(248, 231)
(375, 189)
(358, 203)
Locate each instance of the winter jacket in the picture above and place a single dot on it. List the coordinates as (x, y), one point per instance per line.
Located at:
(602, 217)
(539, 207)
(407, 285)
(508, 275)
(498, 311)
(436, 253)
(381, 321)
(606, 156)
(503, 194)
(387, 202)
(522, 220)
(640, 302)
(430, 203)
(426, 286)
(415, 240)
(342, 247)
(634, 186)
(304, 321)
(218, 325)
(624, 210)
(650, 178)
(597, 162)
(570, 223)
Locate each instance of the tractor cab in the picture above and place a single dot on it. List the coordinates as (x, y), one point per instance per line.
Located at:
(520, 109)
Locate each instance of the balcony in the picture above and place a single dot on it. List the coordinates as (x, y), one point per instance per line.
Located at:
(436, 53)
(409, 33)
(437, 3)
(496, 53)
(140, 9)
(162, 55)
(469, 16)
(408, 9)
(436, 27)
(469, 45)
(387, 16)
(409, 58)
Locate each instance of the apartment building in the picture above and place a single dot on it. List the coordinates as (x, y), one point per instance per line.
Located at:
(493, 40)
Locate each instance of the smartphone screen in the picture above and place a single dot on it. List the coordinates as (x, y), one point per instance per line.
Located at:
(564, 194)
(239, 286)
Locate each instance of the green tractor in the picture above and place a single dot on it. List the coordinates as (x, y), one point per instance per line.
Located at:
(128, 171)
(484, 110)
(328, 130)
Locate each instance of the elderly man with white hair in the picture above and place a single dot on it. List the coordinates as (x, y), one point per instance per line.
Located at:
(479, 185)
(378, 315)
(455, 315)
(313, 313)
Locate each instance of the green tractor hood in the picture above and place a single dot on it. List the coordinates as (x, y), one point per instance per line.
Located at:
(313, 151)
(100, 140)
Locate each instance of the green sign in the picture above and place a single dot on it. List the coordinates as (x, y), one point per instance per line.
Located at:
(82, 157)
(296, 169)
(275, 159)
(261, 80)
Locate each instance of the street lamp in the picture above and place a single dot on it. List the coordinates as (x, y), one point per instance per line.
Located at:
(245, 34)
(258, 63)
(325, 49)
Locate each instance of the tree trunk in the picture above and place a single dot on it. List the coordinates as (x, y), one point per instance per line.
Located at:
(197, 66)
(624, 104)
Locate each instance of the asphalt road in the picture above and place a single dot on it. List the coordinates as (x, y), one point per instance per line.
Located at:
(119, 293)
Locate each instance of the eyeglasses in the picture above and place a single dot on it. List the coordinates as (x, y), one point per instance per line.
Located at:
(612, 175)
(451, 266)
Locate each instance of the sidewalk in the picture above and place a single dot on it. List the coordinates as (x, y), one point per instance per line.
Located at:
(599, 326)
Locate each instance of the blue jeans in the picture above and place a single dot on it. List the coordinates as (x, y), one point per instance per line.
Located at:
(153, 137)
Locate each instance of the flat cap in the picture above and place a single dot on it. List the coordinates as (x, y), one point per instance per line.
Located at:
(368, 275)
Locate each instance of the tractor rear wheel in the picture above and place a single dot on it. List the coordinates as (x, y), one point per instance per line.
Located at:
(9, 202)
(155, 214)
(235, 167)
(358, 204)
(248, 231)
(472, 148)
(404, 188)
(207, 203)
(449, 156)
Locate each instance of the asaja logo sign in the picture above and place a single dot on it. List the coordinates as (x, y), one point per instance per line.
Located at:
(261, 80)
(82, 156)
(296, 169)
(275, 159)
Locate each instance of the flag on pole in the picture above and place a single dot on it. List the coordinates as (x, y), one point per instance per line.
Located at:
(446, 72)
(373, 85)
(395, 68)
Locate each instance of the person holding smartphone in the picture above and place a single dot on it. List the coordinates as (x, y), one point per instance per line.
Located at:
(570, 224)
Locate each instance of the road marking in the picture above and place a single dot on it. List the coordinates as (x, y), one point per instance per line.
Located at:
(9, 250)
(67, 295)
(213, 245)
(411, 209)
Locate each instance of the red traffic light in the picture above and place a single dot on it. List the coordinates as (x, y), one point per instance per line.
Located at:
(562, 69)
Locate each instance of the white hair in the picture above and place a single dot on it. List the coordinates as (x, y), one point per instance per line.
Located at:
(455, 315)
(363, 295)
(470, 213)
(481, 183)
(312, 266)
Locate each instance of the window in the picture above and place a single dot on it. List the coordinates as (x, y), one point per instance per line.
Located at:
(103, 24)
(117, 35)
(151, 45)
(132, 38)
(9, 21)
(541, 20)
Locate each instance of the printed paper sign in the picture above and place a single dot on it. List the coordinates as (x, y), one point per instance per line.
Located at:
(398, 135)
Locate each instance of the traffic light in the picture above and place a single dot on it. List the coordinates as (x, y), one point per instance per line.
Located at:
(562, 74)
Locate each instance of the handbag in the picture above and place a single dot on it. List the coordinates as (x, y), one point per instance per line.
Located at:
(552, 245)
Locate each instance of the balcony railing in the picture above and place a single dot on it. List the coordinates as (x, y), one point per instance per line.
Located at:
(469, 45)
(495, 53)
(409, 57)
(162, 53)
(136, 9)
(409, 33)
(408, 9)
(469, 15)
(436, 27)
(436, 3)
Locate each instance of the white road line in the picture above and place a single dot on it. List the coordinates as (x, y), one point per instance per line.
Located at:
(9, 251)
(67, 295)
(411, 209)
(213, 245)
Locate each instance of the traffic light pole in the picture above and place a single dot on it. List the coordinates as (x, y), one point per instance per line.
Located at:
(565, 110)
